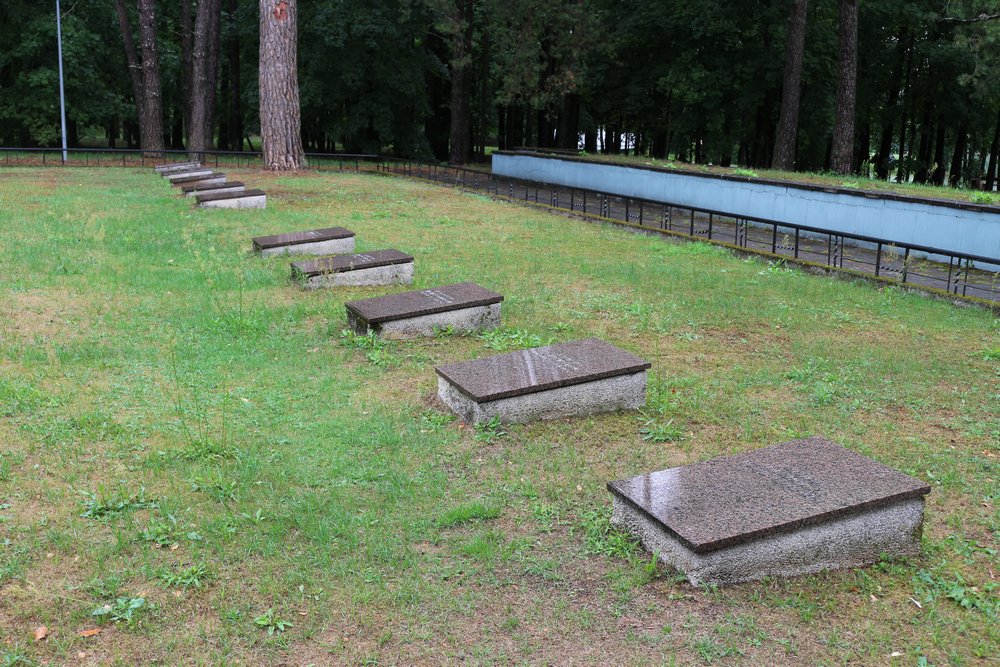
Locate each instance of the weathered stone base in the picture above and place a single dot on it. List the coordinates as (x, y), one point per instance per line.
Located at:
(253, 201)
(392, 274)
(176, 166)
(464, 320)
(622, 392)
(330, 247)
(223, 188)
(852, 541)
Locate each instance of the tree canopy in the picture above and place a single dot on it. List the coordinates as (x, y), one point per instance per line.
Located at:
(699, 82)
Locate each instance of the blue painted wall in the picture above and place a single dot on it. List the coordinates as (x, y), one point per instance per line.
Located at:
(948, 228)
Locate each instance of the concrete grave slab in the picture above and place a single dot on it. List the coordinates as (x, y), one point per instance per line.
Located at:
(378, 267)
(581, 377)
(463, 307)
(244, 199)
(175, 166)
(200, 188)
(326, 241)
(187, 173)
(790, 509)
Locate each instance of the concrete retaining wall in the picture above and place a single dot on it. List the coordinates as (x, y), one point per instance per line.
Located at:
(970, 229)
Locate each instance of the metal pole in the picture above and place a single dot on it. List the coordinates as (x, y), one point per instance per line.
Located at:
(62, 93)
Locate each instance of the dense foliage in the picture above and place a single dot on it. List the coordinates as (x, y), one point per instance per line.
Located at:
(698, 82)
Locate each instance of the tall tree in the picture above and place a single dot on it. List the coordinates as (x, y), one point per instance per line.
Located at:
(151, 110)
(461, 66)
(842, 152)
(204, 75)
(791, 88)
(280, 120)
(131, 56)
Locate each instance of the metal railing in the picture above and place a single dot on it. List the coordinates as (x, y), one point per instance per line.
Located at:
(957, 274)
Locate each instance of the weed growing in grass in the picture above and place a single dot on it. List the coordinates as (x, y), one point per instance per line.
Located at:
(661, 401)
(505, 339)
(102, 504)
(188, 577)
(16, 657)
(13, 560)
(377, 350)
(983, 198)
(123, 609)
(161, 531)
(603, 539)
(218, 489)
(468, 513)
(743, 171)
(272, 622)
(654, 429)
(490, 431)
(991, 354)
(432, 420)
(104, 587)
(934, 583)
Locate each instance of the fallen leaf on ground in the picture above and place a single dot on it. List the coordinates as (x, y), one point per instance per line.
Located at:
(41, 632)
(89, 632)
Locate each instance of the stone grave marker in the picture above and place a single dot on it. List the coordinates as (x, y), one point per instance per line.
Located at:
(377, 267)
(244, 199)
(199, 188)
(790, 509)
(577, 378)
(462, 308)
(211, 178)
(175, 166)
(187, 173)
(327, 241)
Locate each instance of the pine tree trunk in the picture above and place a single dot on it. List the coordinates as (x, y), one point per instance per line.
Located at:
(955, 176)
(131, 57)
(939, 168)
(461, 59)
(991, 173)
(151, 123)
(204, 75)
(847, 75)
(883, 159)
(187, 65)
(280, 119)
(791, 89)
(235, 124)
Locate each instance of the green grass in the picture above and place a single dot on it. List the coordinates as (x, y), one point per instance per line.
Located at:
(275, 491)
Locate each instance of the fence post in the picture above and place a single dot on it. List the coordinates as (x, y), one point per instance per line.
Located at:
(878, 259)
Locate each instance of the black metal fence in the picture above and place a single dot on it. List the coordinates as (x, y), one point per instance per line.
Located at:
(957, 274)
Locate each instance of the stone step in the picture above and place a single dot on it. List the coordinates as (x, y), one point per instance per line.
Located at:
(326, 241)
(461, 308)
(245, 199)
(377, 267)
(581, 377)
(795, 508)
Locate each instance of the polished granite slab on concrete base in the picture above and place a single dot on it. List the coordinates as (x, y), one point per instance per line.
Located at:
(227, 187)
(791, 509)
(187, 173)
(459, 308)
(376, 267)
(326, 241)
(578, 378)
(175, 166)
(245, 199)
(214, 178)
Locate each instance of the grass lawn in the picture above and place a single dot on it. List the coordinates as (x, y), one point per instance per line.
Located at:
(190, 447)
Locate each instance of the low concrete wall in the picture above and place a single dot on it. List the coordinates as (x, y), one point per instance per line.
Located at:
(953, 226)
